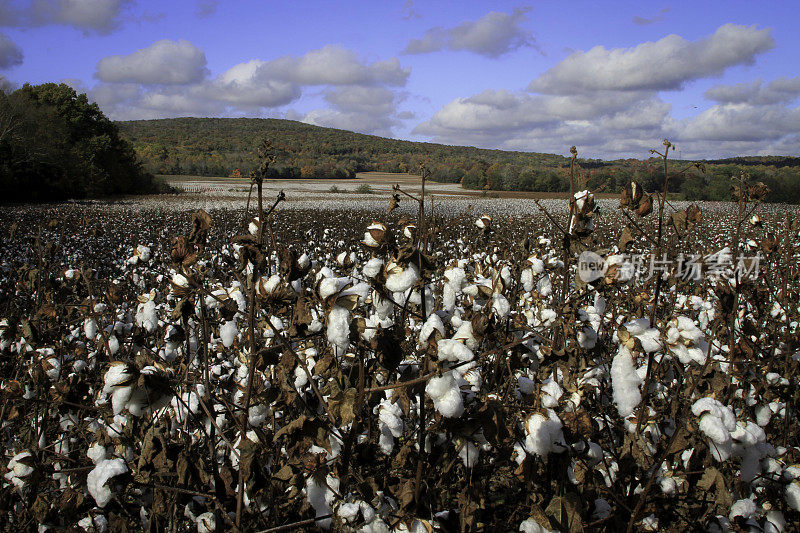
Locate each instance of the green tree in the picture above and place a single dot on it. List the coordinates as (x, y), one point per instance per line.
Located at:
(59, 145)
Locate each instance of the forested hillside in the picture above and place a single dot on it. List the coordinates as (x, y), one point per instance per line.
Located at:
(223, 146)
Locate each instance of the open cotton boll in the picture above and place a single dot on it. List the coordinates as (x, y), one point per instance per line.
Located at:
(544, 286)
(587, 338)
(321, 497)
(403, 280)
(456, 277)
(625, 382)
(464, 334)
(452, 350)
(532, 526)
(446, 395)
(433, 323)
(543, 434)
(90, 328)
(228, 332)
(339, 329)
(744, 508)
(97, 479)
(330, 286)
(469, 453)
(94, 523)
(146, 316)
(775, 522)
(97, 453)
(551, 392)
(500, 305)
(792, 495)
(390, 421)
(372, 267)
(207, 523)
(717, 422)
(650, 338)
(18, 469)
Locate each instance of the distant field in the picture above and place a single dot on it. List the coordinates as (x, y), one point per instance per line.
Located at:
(379, 182)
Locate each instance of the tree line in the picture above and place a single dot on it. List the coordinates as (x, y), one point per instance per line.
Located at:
(225, 147)
(55, 144)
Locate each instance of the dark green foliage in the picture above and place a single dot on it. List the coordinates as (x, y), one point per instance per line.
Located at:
(54, 144)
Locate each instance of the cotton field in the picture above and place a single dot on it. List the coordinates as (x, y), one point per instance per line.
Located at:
(379, 366)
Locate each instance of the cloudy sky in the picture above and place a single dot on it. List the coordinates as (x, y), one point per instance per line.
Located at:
(719, 78)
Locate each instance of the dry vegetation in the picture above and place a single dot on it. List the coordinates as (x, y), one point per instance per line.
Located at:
(360, 371)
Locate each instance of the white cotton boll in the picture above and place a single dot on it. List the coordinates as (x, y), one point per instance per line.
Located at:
(97, 453)
(744, 508)
(650, 339)
(650, 523)
(206, 522)
(587, 338)
(625, 382)
(717, 409)
(464, 334)
(433, 323)
(446, 395)
(544, 286)
(321, 497)
(17, 469)
(537, 265)
(90, 328)
(54, 369)
(339, 329)
(792, 495)
(469, 454)
(228, 333)
(532, 526)
(113, 344)
(720, 444)
(100, 475)
(500, 305)
(668, 485)
(372, 267)
(544, 435)
(94, 524)
(330, 286)
(775, 522)
(452, 350)
(551, 393)
(456, 277)
(403, 280)
(146, 316)
(527, 279)
(448, 298)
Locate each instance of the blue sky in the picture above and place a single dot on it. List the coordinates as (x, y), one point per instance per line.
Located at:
(613, 78)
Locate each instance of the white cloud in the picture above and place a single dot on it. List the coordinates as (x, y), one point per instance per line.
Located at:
(99, 16)
(372, 100)
(334, 65)
(10, 54)
(359, 122)
(492, 35)
(666, 64)
(169, 79)
(163, 62)
(743, 122)
(607, 103)
(780, 90)
(371, 110)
